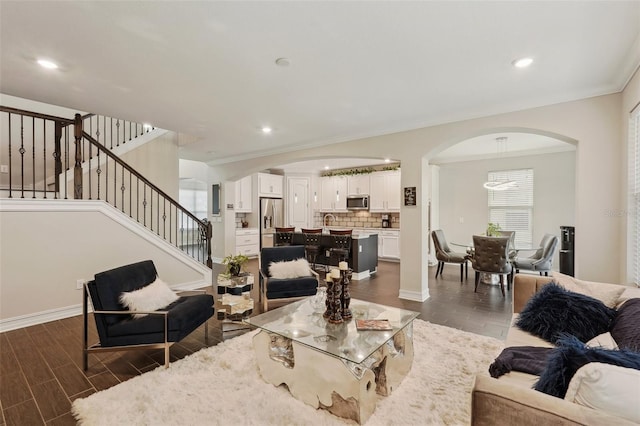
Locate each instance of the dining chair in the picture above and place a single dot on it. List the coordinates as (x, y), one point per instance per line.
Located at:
(341, 244)
(312, 244)
(491, 256)
(445, 255)
(542, 260)
(283, 236)
(512, 242)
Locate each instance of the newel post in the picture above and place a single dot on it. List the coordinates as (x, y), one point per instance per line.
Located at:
(77, 169)
(209, 236)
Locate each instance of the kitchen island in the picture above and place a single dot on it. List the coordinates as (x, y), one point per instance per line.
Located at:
(363, 256)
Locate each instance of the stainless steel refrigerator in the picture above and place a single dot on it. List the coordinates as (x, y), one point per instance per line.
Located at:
(271, 215)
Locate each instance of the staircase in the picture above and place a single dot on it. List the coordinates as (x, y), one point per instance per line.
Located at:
(49, 157)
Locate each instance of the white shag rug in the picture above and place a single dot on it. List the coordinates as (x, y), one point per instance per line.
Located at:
(221, 385)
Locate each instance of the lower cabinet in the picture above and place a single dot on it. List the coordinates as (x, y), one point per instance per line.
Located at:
(389, 244)
(247, 242)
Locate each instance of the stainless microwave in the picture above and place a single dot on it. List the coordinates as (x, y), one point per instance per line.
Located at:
(358, 202)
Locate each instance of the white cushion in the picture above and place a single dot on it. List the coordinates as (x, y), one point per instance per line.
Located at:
(630, 292)
(607, 387)
(290, 269)
(606, 293)
(604, 340)
(155, 296)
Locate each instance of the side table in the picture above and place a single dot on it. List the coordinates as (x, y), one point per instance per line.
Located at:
(233, 301)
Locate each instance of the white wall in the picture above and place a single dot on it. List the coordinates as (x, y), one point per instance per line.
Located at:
(158, 162)
(463, 196)
(47, 245)
(630, 101)
(593, 124)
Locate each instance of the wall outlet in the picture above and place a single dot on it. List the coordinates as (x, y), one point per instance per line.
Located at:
(4, 168)
(80, 283)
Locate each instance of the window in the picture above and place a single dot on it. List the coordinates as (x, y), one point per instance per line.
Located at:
(512, 208)
(193, 197)
(633, 223)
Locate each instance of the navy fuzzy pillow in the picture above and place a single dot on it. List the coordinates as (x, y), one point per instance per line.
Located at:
(570, 355)
(625, 328)
(554, 310)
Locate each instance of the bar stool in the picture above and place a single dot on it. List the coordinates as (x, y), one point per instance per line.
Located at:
(283, 236)
(312, 244)
(341, 244)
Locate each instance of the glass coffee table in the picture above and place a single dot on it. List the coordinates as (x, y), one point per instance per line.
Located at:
(334, 366)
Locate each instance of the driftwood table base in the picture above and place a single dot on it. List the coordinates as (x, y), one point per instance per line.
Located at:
(344, 388)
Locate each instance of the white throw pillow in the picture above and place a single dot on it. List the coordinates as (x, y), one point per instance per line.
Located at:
(607, 387)
(606, 293)
(604, 340)
(290, 269)
(155, 296)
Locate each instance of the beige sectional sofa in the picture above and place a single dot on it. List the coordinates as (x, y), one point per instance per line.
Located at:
(510, 399)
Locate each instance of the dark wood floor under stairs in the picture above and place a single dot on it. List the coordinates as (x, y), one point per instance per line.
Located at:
(41, 366)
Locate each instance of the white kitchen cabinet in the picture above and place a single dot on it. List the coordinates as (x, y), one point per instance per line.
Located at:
(389, 244)
(358, 184)
(243, 202)
(247, 242)
(385, 194)
(270, 185)
(333, 193)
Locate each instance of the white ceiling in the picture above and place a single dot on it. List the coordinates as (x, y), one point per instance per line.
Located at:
(207, 69)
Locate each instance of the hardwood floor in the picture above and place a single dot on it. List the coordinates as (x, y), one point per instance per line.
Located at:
(41, 366)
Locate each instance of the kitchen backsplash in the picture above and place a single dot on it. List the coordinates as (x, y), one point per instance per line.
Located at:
(357, 219)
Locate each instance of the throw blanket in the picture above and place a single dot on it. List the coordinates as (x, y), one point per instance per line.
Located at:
(528, 359)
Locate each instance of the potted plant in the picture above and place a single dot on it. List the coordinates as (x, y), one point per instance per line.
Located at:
(492, 229)
(234, 264)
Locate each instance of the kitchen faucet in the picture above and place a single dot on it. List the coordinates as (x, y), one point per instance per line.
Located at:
(327, 216)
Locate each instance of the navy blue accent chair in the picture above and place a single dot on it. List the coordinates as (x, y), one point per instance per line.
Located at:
(284, 288)
(118, 330)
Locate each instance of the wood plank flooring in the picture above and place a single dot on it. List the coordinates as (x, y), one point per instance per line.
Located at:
(41, 366)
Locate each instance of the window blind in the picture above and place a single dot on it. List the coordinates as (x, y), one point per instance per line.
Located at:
(512, 208)
(633, 223)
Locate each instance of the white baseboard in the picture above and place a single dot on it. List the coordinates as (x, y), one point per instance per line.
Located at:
(28, 320)
(357, 276)
(415, 296)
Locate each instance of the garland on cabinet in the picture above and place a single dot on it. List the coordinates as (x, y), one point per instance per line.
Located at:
(360, 171)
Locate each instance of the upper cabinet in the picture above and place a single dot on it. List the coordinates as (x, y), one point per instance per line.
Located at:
(333, 194)
(243, 195)
(270, 185)
(358, 184)
(385, 194)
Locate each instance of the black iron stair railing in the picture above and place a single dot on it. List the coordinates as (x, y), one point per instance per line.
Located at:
(37, 155)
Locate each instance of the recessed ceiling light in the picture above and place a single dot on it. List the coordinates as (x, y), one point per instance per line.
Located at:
(326, 167)
(387, 160)
(282, 62)
(266, 130)
(47, 64)
(522, 62)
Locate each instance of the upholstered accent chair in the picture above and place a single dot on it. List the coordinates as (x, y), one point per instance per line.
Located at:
(118, 328)
(284, 288)
(445, 255)
(542, 260)
(283, 236)
(491, 256)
